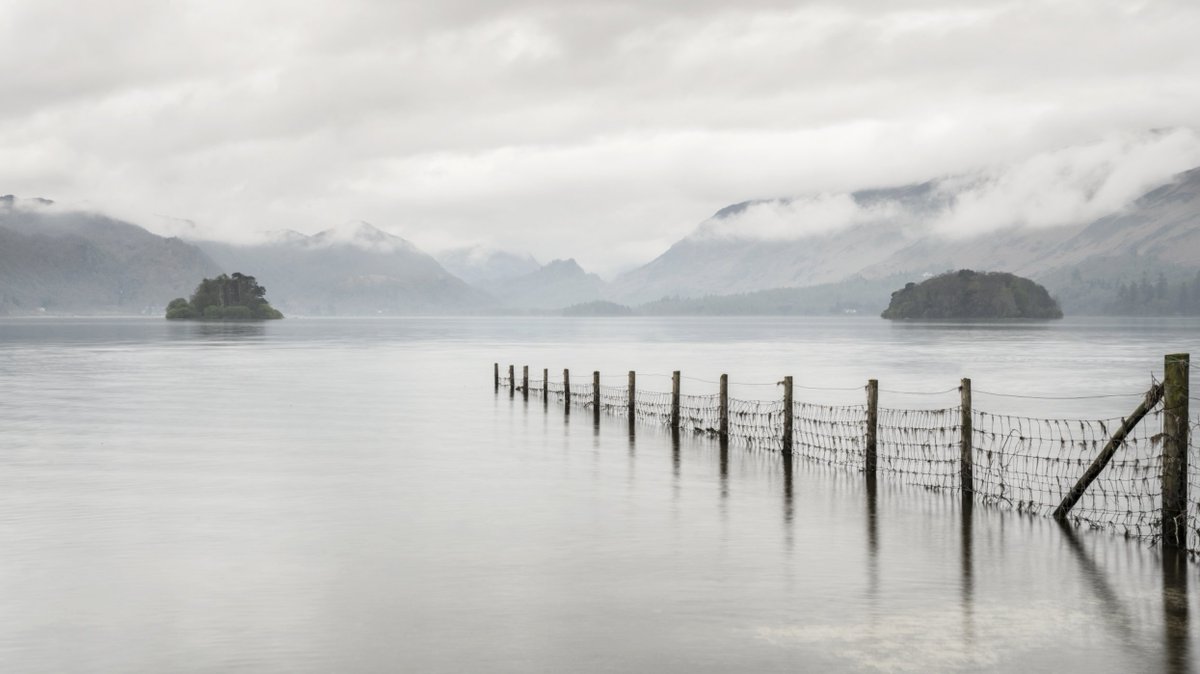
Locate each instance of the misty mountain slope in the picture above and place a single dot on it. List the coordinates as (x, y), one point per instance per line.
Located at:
(558, 284)
(355, 269)
(1164, 224)
(477, 265)
(924, 229)
(727, 255)
(76, 262)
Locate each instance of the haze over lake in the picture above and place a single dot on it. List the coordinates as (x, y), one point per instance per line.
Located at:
(351, 495)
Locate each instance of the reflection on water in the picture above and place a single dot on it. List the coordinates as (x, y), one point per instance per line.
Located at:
(361, 480)
(1176, 569)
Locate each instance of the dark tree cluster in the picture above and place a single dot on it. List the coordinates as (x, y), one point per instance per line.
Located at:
(226, 297)
(1160, 298)
(970, 294)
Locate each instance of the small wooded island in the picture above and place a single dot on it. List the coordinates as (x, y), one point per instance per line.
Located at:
(236, 297)
(970, 294)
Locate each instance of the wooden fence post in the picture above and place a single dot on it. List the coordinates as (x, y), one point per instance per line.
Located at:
(871, 455)
(497, 377)
(788, 413)
(675, 400)
(512, 381)
(724, 407)
(545, 384)
(1175, 450)
(525, 381)
(966, 459)
(596, 395)
(567, 390)
(632, 394)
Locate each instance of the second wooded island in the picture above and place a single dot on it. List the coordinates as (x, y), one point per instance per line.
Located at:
(970, 294)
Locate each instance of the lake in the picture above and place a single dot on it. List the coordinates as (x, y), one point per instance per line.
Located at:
(351, 495)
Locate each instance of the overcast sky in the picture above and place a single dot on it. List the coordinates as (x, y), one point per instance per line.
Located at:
(599, 130)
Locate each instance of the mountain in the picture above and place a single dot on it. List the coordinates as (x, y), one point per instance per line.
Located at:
(62, 261)
(902, 233)
(557, 285)
(354, 269)
(480, 265)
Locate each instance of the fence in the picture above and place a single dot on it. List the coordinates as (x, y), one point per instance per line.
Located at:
(1132, 475)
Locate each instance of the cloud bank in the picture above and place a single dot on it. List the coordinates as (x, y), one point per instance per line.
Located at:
(1067, 186)
(601, 129)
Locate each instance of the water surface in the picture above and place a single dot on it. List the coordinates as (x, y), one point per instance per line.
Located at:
(352, 496)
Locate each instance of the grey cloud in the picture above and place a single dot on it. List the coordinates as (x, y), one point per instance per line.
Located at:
(598, 130)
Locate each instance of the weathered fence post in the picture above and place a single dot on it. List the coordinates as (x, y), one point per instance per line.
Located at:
(788, 413)
(869, 458)
(632, 394)
(966, 466)
(596, 395)
(497, 377)
(675, 400)
(1175, 448)
(545, 384)
(512, 381)
(567, 390)
(525, 381)
(723, 409)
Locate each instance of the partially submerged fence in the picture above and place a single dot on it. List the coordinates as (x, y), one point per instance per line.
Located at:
(1131, 475)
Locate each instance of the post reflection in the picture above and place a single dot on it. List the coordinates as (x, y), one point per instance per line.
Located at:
(967, 567)
(788, 507)
(675, 456)
(1177, 637)
(872, 542)
(724, 464)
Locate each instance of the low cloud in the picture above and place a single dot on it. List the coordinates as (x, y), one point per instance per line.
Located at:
(1067, 186)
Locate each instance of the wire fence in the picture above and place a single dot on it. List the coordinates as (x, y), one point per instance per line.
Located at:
(1023, 463)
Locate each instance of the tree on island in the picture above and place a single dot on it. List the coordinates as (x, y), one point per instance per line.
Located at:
(226, 297)
(970, 294)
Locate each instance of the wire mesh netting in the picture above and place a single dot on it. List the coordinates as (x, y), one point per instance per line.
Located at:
(1031, 464)
(1028, 464)
(831, 435)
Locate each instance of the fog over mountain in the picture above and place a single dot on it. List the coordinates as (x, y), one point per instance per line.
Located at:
(480, 264)
(1083, 216)
(353, 269)
(558, 284)
(59, 261)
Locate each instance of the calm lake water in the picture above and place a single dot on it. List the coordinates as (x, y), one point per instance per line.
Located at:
(352, 496)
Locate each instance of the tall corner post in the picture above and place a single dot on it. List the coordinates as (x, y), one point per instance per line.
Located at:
(723, 410)
(675, 400)
(870, 456)
(966, 455)
(596, 395)
(497, 376)
(525, 381)
(1175, 450)
(567, 390)
(512, 381)
(789, 413)
(545, 384)
(632, 394)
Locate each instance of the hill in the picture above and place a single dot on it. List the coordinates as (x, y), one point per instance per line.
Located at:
(60, 261)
